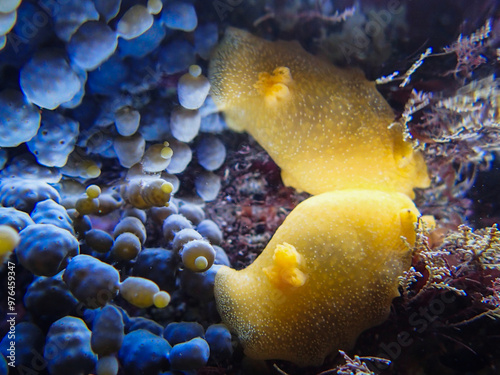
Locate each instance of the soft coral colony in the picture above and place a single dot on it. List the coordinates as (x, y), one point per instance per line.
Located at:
(105, 182)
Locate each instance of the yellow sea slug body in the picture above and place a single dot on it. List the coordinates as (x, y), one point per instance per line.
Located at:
(329, 272)
(331, 269)
(327, 128)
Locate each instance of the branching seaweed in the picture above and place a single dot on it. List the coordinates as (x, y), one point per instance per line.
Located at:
(355, 366)
(466, 263)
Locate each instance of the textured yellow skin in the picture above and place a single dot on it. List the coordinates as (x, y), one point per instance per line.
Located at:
(330, 271)
(351, 253)
(326, 127)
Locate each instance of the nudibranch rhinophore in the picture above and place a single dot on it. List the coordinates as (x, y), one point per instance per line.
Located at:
(326, 128)
(331, 269)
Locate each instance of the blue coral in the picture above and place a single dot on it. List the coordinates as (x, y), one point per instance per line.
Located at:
(29, 342)
(48, 80)
(89, 87)
(15, 218)
(19, 119)
(219, 339)
(45, 249)
(179, 15)
(67, 349)
(190, 355)
(23, 194)
(158, 265)
(92, 282)
(55, 139)
(92, 44)
(69, 15)
(107, 331)
(49, 297)
(50, 212)
(142, 352)
(176, 333)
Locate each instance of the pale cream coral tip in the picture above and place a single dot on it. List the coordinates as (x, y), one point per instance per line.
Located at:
(9, 239)
(93, 191)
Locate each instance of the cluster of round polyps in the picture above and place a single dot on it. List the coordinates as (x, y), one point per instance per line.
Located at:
(87, 78)
(92, 283)
(331, 270)
(69, 282)
(94, 86)
(129, 237)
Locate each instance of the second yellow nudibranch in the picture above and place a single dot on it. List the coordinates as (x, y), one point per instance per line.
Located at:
(331, 269)
(329, 272)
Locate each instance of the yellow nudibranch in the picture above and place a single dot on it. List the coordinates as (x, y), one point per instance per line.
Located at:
(329, 272)
(326, 128)
(331, 269)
